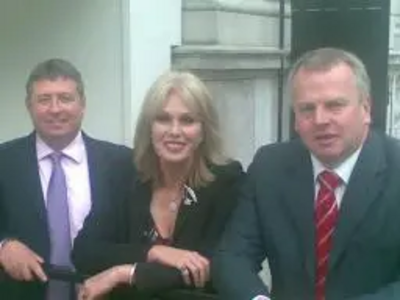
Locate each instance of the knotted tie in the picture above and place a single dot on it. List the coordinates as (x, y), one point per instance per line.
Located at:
(326, 213)
(59, 227)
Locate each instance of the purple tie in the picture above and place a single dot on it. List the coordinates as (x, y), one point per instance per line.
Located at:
(59, 227)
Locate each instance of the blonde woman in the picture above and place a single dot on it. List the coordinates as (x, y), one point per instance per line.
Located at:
(168, 214)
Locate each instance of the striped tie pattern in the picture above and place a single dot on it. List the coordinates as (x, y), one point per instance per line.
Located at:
(326, 213)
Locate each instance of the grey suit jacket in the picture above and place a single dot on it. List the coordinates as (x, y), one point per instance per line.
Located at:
(275, 220)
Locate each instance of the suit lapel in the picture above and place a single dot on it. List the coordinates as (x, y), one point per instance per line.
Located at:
(185, 210)
(33, 183)
(139, 211)
(94, 158)
(362, 190)
(299, 200)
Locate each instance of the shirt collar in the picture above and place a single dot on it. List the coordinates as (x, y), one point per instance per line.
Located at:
(75, 150)
(343, 170)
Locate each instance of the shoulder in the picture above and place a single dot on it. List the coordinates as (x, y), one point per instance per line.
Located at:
(279, 155)
(231, 170)
(14, 147)
(391, 148)
(108, 151)
(280, 151)
(107, 146)
(116, 159)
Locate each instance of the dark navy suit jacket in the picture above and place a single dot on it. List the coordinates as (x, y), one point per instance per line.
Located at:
(22, 207)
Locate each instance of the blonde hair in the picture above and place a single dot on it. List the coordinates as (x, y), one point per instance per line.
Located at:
(197, 98)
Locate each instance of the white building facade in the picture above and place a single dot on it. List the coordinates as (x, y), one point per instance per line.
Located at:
(121, 46)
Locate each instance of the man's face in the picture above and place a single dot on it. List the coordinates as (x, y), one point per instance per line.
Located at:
(56, 109)
(332, 117)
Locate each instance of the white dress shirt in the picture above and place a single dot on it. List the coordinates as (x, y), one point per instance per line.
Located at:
(343, 170)
(76, 169)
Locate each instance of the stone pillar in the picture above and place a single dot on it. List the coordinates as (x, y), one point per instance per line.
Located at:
(233, 46)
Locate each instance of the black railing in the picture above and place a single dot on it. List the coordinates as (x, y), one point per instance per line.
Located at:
(281, 72)
(55, 273)
(68, 275)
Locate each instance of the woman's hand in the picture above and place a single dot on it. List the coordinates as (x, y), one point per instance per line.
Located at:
(194, 267)
(98, 286)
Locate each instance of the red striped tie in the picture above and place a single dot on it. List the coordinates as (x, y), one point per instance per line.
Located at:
(326, 213)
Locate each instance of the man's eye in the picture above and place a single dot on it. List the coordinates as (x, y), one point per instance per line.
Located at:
(335, 105)
(43, 100)
(306, 108)
(66, 98)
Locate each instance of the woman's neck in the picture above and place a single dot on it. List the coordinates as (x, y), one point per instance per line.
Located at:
(174, 175)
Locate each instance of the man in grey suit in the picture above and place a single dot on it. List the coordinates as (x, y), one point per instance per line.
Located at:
(323, 209)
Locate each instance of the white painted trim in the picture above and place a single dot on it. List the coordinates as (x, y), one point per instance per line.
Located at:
(152, 27)
(126, 114)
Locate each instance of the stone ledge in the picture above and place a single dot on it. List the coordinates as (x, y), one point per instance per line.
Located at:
(227, 58)
(261, 8)
(394, 59)
(247, 23)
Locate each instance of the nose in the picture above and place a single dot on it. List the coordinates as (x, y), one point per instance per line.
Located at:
(54, 105)
(320, 116)
(175, 128)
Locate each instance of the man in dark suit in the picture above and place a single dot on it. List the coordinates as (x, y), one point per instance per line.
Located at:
(324, 210)
(42, 207)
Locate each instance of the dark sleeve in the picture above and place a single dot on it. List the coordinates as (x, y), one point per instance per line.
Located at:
(238, 258)
(106, 239)
(390, 291)
(227, 190)
(2, 216)
(156, 277)
(3, 233)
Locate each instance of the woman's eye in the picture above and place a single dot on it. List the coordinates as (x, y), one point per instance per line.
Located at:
(162, 118)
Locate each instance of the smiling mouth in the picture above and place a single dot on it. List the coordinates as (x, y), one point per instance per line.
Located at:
(56, 124)
(174, 146)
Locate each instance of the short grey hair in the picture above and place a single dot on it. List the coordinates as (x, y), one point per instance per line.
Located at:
(196, 96)
(323, 59)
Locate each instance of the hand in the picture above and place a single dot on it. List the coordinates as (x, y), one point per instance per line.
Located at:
(190, 263)
(100, 285)
(20, 262)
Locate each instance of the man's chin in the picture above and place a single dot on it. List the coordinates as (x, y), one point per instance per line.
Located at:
(330, 159)
(57, 136)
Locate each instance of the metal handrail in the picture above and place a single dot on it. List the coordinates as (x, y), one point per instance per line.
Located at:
(55, 273)
(73, 277)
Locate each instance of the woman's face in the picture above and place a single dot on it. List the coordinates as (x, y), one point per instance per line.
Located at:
(176, 132)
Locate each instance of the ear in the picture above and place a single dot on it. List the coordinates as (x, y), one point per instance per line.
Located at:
(295, 124)
(28, 103)
(366, 104)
